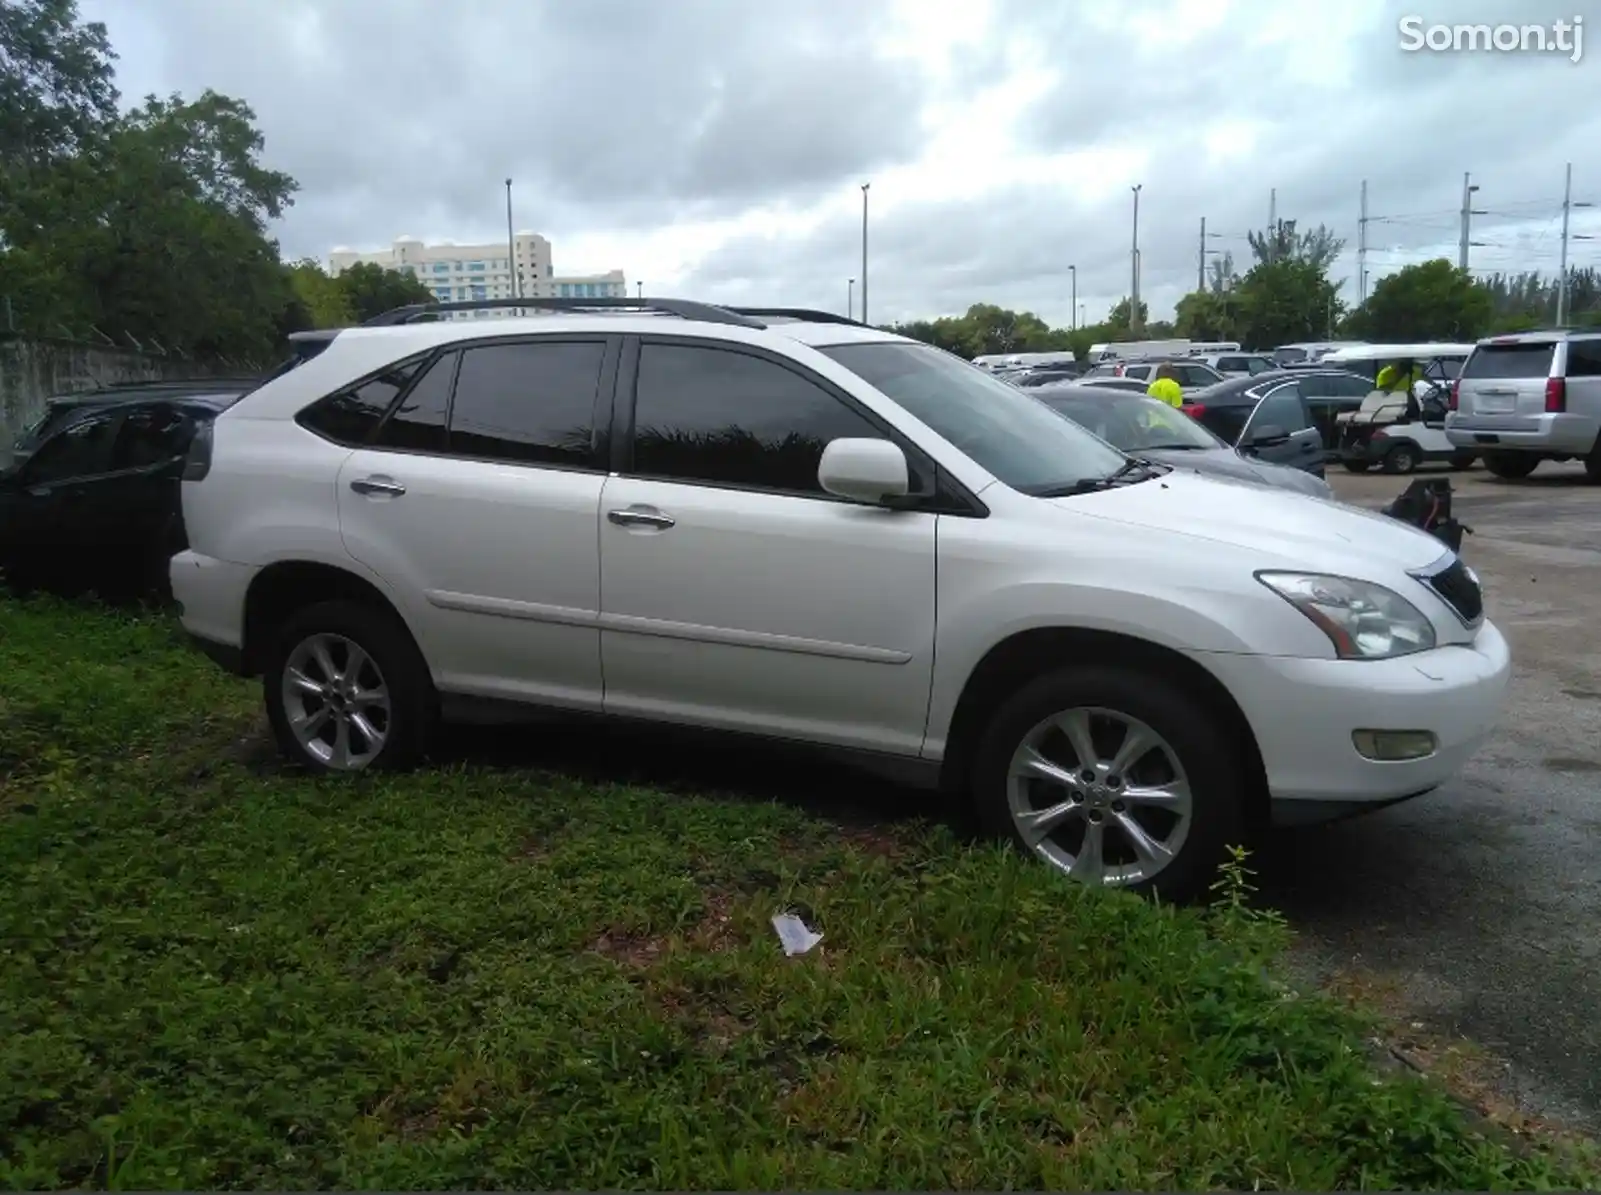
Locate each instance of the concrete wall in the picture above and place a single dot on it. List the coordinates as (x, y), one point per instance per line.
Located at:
(33, 370)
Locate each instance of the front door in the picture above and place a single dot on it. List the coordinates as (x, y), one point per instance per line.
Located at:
(735, 593)
(1282, 408)
(480, 492)
(55, 525)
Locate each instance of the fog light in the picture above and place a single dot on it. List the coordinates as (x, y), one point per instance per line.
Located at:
(1388, 746)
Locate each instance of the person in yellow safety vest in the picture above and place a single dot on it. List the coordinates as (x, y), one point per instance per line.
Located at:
(1398, 377)
(1166, 389)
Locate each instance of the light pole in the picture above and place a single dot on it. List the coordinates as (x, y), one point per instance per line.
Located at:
(865, 186)
(850, 302)
(511, 250)
(1134, 267)
(640, 292)
(1072, 308)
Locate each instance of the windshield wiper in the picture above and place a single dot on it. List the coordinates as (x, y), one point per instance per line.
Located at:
(1174, 448)
(1124, 474)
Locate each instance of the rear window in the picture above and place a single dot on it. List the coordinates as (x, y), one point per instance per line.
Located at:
(1510, 361)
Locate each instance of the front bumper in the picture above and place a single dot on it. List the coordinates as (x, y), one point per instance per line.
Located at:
(1303, 713)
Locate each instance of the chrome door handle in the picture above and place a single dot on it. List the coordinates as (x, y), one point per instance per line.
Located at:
(640, 516)
(378, 485)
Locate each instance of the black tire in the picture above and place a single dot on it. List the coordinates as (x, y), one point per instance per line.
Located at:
(413, 704)
(1401, 459)
(1463, 460)
(1511, 466)
(1357, 466)
(1203, 746)
(1592, 464)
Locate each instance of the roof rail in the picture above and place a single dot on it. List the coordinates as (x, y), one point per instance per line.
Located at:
(682, 308)
(805, 315)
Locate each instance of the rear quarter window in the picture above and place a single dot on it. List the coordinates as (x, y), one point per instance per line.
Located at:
(1510, 361)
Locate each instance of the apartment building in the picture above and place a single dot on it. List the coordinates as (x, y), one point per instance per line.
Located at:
(486, 271)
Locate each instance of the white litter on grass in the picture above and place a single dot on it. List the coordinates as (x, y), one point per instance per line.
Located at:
(794, 934)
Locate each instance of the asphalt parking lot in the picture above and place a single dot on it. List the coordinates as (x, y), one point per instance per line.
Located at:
(1479, 905)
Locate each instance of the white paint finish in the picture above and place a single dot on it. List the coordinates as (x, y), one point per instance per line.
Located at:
(502, 565)
(1303, 713)
(799, 617)
(814, 619)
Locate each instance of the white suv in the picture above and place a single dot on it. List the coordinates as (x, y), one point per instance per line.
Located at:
(797, 526)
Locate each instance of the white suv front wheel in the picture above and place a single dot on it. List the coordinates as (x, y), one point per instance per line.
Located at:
(347, 690)
(1113, 777)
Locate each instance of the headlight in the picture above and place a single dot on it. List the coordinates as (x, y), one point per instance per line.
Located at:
(1362, 620)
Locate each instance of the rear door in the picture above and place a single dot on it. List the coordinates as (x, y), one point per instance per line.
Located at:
(1326, 396)
(479, 493)
(134, 504)
(52, 511)
(1282, 408)
(1503, 384)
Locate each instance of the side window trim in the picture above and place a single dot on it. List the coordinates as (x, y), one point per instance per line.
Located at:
(371, 443)
(948, 497)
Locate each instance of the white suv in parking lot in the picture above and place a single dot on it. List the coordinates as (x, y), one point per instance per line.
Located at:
(1532, 397)
(793, 525)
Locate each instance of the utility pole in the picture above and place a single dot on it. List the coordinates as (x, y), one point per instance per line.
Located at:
(1272, 225)
(1362, 249)
(511, 250)
(1562, 281)
(1134, 268)
(850, 301)
(1200, 264)
(1468, 212)
(1072, 314)
(864, 251)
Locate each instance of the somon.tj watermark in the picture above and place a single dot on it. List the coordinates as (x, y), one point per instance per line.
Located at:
(1558, 37)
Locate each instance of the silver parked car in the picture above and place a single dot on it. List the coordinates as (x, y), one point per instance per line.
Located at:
(1532, 397)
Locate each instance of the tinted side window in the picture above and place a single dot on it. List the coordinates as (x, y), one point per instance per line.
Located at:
(1195, 375)
(149, 436)
(351, 416)
(532, 402)
(83, 450)
(1282, 408)
(1137, 371)
(418, 423)
(1584, 358)
(728, 418)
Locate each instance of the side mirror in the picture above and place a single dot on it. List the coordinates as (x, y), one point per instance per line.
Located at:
(1267, 436)
(864, 470)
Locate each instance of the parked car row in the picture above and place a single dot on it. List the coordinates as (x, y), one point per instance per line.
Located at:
(791, 525)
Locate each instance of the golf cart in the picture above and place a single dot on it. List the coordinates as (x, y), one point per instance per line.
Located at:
(1400, 430)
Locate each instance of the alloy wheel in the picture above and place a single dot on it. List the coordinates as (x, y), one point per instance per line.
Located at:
(336, 701)
(1099, 795)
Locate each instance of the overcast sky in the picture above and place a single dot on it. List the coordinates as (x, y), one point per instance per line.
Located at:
(716, 148)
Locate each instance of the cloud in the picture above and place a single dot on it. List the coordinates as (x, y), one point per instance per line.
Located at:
(716, 147)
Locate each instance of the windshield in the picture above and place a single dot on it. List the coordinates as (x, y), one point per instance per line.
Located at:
(1006, 431)
(1133, 423)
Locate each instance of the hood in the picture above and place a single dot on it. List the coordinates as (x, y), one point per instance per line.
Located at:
(1225, 462)
(1297, 530)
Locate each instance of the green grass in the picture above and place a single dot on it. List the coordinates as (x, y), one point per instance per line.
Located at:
(216, 974)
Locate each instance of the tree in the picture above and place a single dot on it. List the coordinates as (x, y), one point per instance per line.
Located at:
(1430, 301)
(1118, 318)
(1286, 300)
(1221, 277)
(56, 81)
(1208, 315)
(215, 144)
(371, 290)
(325, 299)
(1282, 242)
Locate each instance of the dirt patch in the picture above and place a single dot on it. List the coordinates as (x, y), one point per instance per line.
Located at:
(1561, 763)
(716, 929)
(629, 949)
